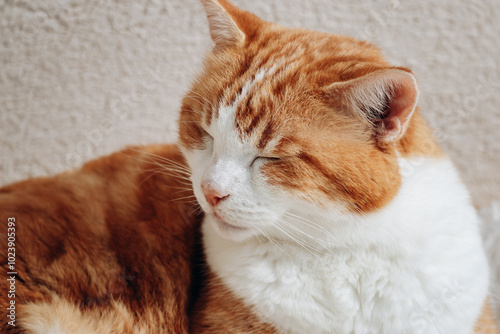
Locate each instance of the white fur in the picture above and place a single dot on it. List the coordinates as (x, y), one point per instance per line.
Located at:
(490, 215)
(416, 266)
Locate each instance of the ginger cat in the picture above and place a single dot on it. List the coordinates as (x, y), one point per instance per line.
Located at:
(326, 207)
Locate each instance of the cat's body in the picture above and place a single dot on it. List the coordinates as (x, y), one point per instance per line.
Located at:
(103, 249)
(328, 207)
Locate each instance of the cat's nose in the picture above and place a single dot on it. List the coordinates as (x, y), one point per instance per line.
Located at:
(213, 196)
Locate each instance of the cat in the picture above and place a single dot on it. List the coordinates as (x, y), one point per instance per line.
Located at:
(306, 194)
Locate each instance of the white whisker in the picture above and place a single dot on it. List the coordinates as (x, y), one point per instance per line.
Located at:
(270, 240)
(319, 228)
(309, 246)
(300, 243)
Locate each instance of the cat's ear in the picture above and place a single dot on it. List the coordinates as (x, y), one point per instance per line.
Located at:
(229, 25)
(386, 99)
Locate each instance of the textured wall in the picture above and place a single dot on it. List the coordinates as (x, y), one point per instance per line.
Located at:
(82, 78)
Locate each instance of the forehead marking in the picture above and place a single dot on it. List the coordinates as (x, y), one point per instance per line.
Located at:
(225, 119)
(247, 87)
(228, 107)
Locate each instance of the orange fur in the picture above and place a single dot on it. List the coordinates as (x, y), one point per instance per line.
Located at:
(486, 323)
(113, 240)
(305, 65)
(218, 311)
(114, 247)
(111, 248)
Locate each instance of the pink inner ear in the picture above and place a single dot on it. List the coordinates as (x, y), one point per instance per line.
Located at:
(391, 126)
(401, 106)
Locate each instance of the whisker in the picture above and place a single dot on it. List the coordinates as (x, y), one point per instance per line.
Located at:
(181, 191)
(300, 243)
(182, 180)
(191, 110)
(179, 166)
(182, 188)
(270, 240)
(307, 245)
(178, 178)
(202, 97)
(319, 228)
(163, 169)
(181, 198)
(179, 169)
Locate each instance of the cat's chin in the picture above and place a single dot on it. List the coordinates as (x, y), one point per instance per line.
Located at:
(229, 231)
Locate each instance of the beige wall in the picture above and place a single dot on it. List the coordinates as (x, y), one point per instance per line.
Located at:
(83, 78)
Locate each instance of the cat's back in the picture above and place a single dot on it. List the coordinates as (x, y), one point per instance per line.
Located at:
(103, 249)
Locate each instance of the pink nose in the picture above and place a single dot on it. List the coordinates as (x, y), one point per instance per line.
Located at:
(213, 196)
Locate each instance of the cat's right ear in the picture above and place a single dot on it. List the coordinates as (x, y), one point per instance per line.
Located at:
(229, 25)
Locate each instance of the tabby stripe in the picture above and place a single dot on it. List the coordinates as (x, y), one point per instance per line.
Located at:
(266, 135)
(332, 180)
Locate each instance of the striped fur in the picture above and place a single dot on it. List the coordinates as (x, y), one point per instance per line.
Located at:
(326, 117)
(317, 120)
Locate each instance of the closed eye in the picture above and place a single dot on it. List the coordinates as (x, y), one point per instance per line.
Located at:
(264, 159)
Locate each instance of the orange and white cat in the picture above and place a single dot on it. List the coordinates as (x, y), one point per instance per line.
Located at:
(328, 207)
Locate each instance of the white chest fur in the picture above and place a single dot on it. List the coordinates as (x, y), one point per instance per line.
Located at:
(417, 266)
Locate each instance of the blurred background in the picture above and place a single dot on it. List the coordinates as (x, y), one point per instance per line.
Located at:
(83, 78)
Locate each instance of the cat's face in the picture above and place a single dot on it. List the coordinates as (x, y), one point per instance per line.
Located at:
(283, 123)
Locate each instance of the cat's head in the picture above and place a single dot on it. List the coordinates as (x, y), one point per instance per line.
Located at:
(286, 122)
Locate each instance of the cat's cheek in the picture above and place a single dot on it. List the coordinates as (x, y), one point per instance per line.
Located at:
(284, 177)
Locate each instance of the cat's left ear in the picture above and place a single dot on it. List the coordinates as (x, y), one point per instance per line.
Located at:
(386, 99)
(229, 25)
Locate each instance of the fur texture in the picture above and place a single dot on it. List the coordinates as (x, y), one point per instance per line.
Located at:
(328, 207)
(336, 211)
(103, 249)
